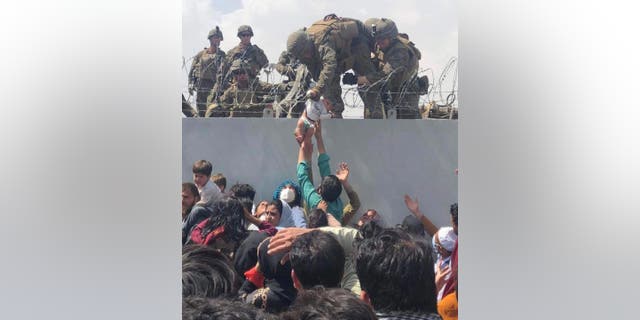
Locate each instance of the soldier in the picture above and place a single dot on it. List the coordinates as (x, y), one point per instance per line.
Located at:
(249, 53)
(330, 47)
(245, 98)
(202, 76)
(397, 58)
(286, 66)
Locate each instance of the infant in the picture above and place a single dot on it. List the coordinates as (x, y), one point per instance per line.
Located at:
(314, 111)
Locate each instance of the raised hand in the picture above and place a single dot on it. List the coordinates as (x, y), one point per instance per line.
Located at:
(343, 172)
(283, 240)
(411, 204)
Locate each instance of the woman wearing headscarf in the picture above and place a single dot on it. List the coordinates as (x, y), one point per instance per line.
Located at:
(292, 213)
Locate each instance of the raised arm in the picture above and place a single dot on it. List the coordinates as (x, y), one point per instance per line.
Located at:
(319, 140)
(354, 201)
(414, 207)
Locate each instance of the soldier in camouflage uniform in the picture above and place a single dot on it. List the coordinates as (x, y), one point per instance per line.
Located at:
(202, 76)
(286, 66)
(249, 53)
(245, 98)
(397, 58)
(329, 48)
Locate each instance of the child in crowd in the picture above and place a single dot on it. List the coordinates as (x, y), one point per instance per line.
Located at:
(209, 192)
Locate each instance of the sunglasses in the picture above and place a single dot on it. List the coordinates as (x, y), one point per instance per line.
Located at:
(245, 35)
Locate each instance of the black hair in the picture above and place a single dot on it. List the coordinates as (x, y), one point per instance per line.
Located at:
(227, 212)
(330, 188)
(197, 308)
(369, 229)
(413, 226)
(317, 259)
(329, 303)
(202, 167)
(246, 203)
(317, 219)
(382, 262)
(453, 210)
(278, 205)
(243, 190)
(207, 272)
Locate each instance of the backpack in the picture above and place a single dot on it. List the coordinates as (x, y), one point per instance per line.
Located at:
(341, 30)
(200, 235)
(411, 46)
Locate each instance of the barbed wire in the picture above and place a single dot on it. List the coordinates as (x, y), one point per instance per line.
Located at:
(352, 94)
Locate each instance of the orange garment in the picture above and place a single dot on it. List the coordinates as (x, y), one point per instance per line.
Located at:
(448, 307)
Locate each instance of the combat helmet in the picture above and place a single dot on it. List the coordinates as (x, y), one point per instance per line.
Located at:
(245, 28)
(297, 42)
(369, 23)
(215, 32)
(386, 28)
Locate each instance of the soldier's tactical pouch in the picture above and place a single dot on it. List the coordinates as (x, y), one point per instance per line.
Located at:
(423, 85)
(412, 46)
(342, 30)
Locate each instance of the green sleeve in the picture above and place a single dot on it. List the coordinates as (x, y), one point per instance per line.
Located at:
(329, 66)
(309, 193)
(323, 165)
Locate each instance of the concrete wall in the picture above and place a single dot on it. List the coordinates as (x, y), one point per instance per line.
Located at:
(388, 158)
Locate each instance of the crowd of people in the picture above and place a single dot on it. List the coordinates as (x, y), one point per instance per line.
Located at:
(309, 253)
(373, 55)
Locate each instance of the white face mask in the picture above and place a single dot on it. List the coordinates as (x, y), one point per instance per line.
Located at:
(263, 217)
(287, 195)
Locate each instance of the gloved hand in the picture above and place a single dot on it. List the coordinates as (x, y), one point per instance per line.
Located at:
(349, 79)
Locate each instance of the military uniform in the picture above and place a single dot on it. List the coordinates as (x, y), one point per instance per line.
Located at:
(250, 54)
(399, 63)
(286, 66)
(202, 75)
(339, 44)
(245, 102)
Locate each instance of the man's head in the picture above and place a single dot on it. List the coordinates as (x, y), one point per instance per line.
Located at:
(444, 241)
(330, 188)
(372, 29)
(190, 196)
(386, 32)
(453, 210)
(206, 272)
(369, 215)
(215, 36)
(317, 219)
(240, 71)
(272, 213)
(201, 172)
(240, 190)
(316, 259)
(245, 33)
(329, 303)
(198, 308)
(220, 181)
(413, 226)
(396, 272)
(300, 45)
